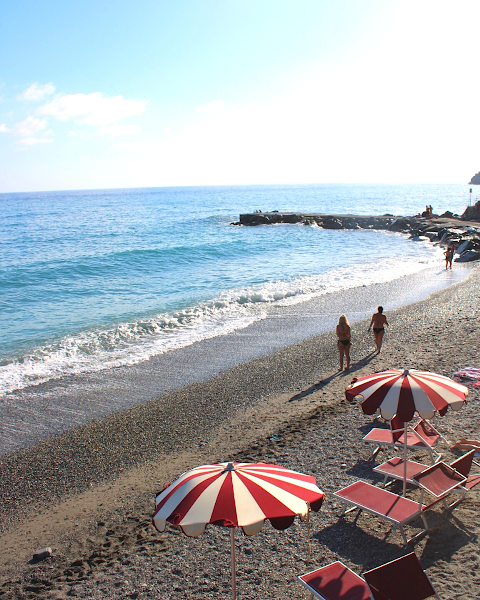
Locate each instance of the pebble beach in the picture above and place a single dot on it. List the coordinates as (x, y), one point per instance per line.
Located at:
(88, 494)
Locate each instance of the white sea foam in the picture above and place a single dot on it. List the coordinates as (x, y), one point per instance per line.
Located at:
(134, 342)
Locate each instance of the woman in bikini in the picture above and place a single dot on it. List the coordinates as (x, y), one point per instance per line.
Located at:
(379, 320)
(343, 342)
(449, 256)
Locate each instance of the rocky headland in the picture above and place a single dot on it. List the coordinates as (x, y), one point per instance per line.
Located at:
(475, 180)
(446, 229)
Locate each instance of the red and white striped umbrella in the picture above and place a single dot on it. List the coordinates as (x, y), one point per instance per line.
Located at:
(403, 392)
(236, 495)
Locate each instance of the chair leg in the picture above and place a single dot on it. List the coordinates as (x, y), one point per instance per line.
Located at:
(455, 503)
(349, 510)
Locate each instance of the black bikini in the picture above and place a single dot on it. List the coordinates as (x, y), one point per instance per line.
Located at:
(344, 342)
(378, 329)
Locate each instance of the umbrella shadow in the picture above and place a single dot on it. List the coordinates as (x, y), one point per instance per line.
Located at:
(353, 541)
(363, 469)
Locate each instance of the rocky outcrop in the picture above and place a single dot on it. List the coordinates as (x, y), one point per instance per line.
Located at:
(475, 180)
(444, 230)
(325, 221)
(472, 213)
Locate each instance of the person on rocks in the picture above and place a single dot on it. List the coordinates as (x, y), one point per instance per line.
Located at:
(378, 322)
(344, 341)
(449, 256)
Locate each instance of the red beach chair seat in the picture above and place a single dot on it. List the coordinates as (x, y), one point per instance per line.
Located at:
(393, 469)
(379, 502)
(400, 579)
(441, 480)
(397, 580)
(335, 582)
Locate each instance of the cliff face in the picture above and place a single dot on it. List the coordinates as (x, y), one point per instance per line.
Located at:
(475, 180)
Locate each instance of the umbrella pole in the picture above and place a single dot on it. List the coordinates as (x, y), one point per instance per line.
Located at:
(404, 460)
(232, 538)
(308, 534)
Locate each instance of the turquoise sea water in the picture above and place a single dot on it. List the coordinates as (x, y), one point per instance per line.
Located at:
(91, 280)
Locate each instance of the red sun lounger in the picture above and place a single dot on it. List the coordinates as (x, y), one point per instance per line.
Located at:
(422, 436)
(335, 582)
(441, 480)
(401, 579)
(379, 502)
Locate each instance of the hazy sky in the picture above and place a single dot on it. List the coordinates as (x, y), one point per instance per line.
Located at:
(108, 94)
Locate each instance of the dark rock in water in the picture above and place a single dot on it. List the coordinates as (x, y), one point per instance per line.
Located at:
(400, 225)
(447, 215)
(464, 246)
(348, 223)
(419, 238)
(332, 223)
(468, 256)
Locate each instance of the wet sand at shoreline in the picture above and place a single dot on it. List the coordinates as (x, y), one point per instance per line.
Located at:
(89, 493)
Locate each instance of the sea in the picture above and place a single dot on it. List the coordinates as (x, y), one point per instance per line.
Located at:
(96, 280)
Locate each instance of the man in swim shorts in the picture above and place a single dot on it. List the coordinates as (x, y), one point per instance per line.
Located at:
(379, 321)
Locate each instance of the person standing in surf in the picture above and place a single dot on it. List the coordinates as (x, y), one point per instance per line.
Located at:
(379, 321)
(449, 256)
(344, 341)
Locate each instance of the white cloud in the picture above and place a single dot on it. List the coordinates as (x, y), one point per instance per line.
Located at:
(29, 126)
(93, 109)
(116, 130)
(32, 141)
(211, 108)
(37, 91)
(3, 128)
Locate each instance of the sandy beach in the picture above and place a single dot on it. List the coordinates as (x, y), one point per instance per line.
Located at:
(89, 493)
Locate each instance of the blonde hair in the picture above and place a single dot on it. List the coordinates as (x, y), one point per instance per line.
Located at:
(343, 320)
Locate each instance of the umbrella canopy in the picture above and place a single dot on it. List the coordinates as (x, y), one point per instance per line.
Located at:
(403, 392)
(236, 495)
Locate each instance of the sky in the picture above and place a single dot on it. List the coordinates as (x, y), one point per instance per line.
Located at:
(116, 94)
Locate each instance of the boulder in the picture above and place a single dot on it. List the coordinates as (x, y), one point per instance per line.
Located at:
(464, 246)
(419, 238)
(472, 213)
(349, 223)
(400, 225)
(468, 256)
(332, 223)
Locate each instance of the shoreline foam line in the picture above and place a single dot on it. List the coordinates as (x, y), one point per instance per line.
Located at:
(52, 408)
